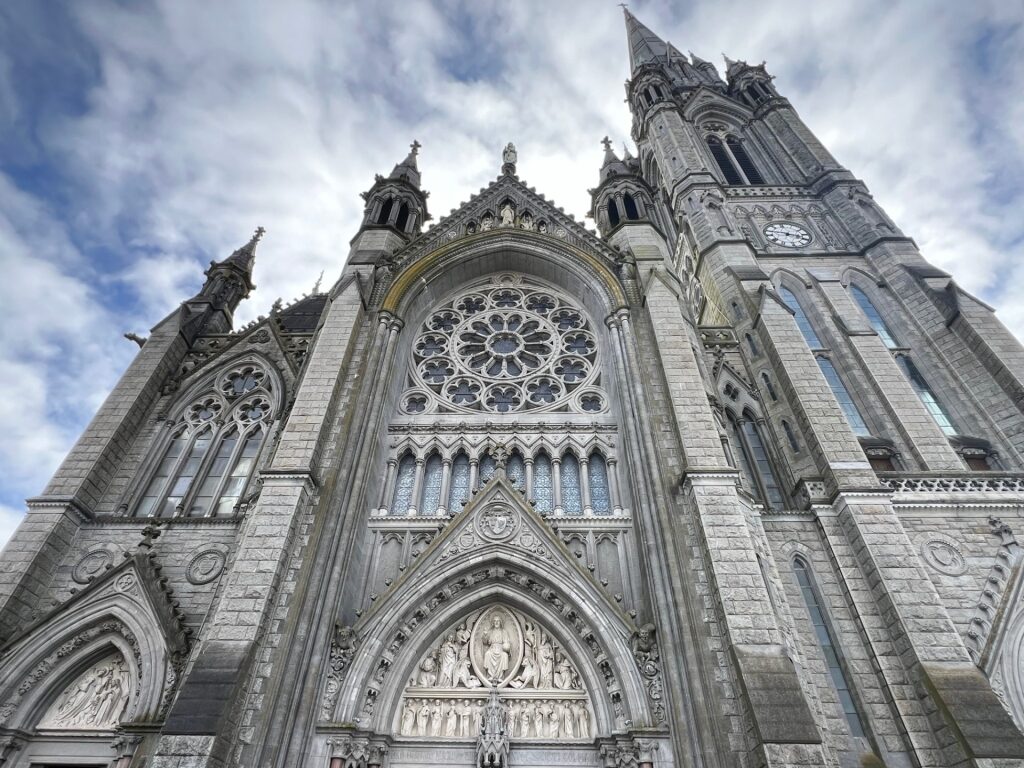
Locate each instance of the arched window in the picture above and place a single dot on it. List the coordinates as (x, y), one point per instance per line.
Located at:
(207, 463)
(403, 217)
(732, 176)
(802, 321)
(385, 211)
(657, 91)
(404, 484)
(830, 650)
(742, 458)
(874, 317)
(431, 496)
(458, 494)
(762, 464)
(516, 471)
(842, 395)
(629, 204)
(745, 163)
(613, 213)
(790, 436)
(487, 469)
(572, 499)
(600, 495)
(927, 396)
(768, 386)
(543, 489)
(752, 345)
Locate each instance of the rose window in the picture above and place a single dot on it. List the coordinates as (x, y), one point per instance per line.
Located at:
(502, 346)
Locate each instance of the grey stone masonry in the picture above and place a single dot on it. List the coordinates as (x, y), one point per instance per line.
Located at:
(891, 387)
(35, 550)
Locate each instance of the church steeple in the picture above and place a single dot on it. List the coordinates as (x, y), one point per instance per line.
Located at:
(397, 202)
(645, 47)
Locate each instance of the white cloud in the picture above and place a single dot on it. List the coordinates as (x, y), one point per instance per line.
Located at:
(207, 120)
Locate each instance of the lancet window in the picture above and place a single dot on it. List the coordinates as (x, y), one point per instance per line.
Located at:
(916, 378)
(733, 160)
(571, 483)
(831, 651)
(212, 449)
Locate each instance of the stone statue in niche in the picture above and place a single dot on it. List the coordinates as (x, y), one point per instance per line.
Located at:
(95, 700)
(487, 222)
(508, 214)
(526, 221)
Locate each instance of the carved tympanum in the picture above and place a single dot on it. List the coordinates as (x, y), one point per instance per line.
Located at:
(94, 701)
(501, 651)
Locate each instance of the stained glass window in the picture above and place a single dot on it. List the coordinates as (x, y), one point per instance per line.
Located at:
(543, 490)
(458, 494)
(214, 474)
(149, 505)
(802, 321)
(188, 471)
(831, 651)
(431, 486)
(763, 465)
(487, 467)
(874, 317)
(404, 486)
(240, 474)
(924, 392)
(843, 397)
(516, 471)
(572, 499)
(600, 496)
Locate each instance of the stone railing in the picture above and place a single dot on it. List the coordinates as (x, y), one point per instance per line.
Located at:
(945, 483)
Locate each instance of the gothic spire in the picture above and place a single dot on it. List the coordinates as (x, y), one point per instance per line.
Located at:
(407, 169)
(245, 257)
(644, 46)
(612, 165)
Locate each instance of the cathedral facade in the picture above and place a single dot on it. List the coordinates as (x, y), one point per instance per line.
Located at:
(734, 481)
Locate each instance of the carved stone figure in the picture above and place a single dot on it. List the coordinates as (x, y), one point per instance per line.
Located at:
(487, 222)
(449, 659)
(563, 673)
(526, 222)
(428, 672)
(509, 156)
(94, 701)
(409, 719)
(498, 644)
(545, 664)
(508, 215)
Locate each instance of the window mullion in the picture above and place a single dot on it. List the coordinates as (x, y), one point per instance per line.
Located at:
(216, 435)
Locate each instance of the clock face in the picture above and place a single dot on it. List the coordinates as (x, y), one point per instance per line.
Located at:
(787, 235)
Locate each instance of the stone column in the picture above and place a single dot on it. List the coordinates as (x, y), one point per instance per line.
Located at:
(417, 488)
(588, 505)
(556, 485)
(446, 480)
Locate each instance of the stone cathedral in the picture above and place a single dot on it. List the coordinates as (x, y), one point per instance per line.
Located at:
(733, 481)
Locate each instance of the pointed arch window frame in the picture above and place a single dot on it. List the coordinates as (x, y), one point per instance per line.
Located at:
(219, 430)
(737, 168)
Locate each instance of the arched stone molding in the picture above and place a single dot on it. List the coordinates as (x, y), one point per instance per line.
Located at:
(427, 280)
(207, 378)
(778, 278)
(853, 274)
(532, 571)
(126, 611)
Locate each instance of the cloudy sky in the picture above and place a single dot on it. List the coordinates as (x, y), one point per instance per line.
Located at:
(140, 140)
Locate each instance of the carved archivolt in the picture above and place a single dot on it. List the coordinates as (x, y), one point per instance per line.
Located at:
(496, 649)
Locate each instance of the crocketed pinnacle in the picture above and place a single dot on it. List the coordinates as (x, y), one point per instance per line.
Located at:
(407, 169)
(245, 257)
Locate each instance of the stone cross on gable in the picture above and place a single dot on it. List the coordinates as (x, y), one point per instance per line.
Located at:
(606, 143)
(415, 147)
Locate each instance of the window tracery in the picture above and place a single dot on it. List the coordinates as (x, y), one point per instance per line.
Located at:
(212, 450)
(505, 345)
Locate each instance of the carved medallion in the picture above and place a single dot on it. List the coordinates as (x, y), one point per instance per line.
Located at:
(943, 554)
(124, 582)
(91, 566)
(205, 566)
(498, 522)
